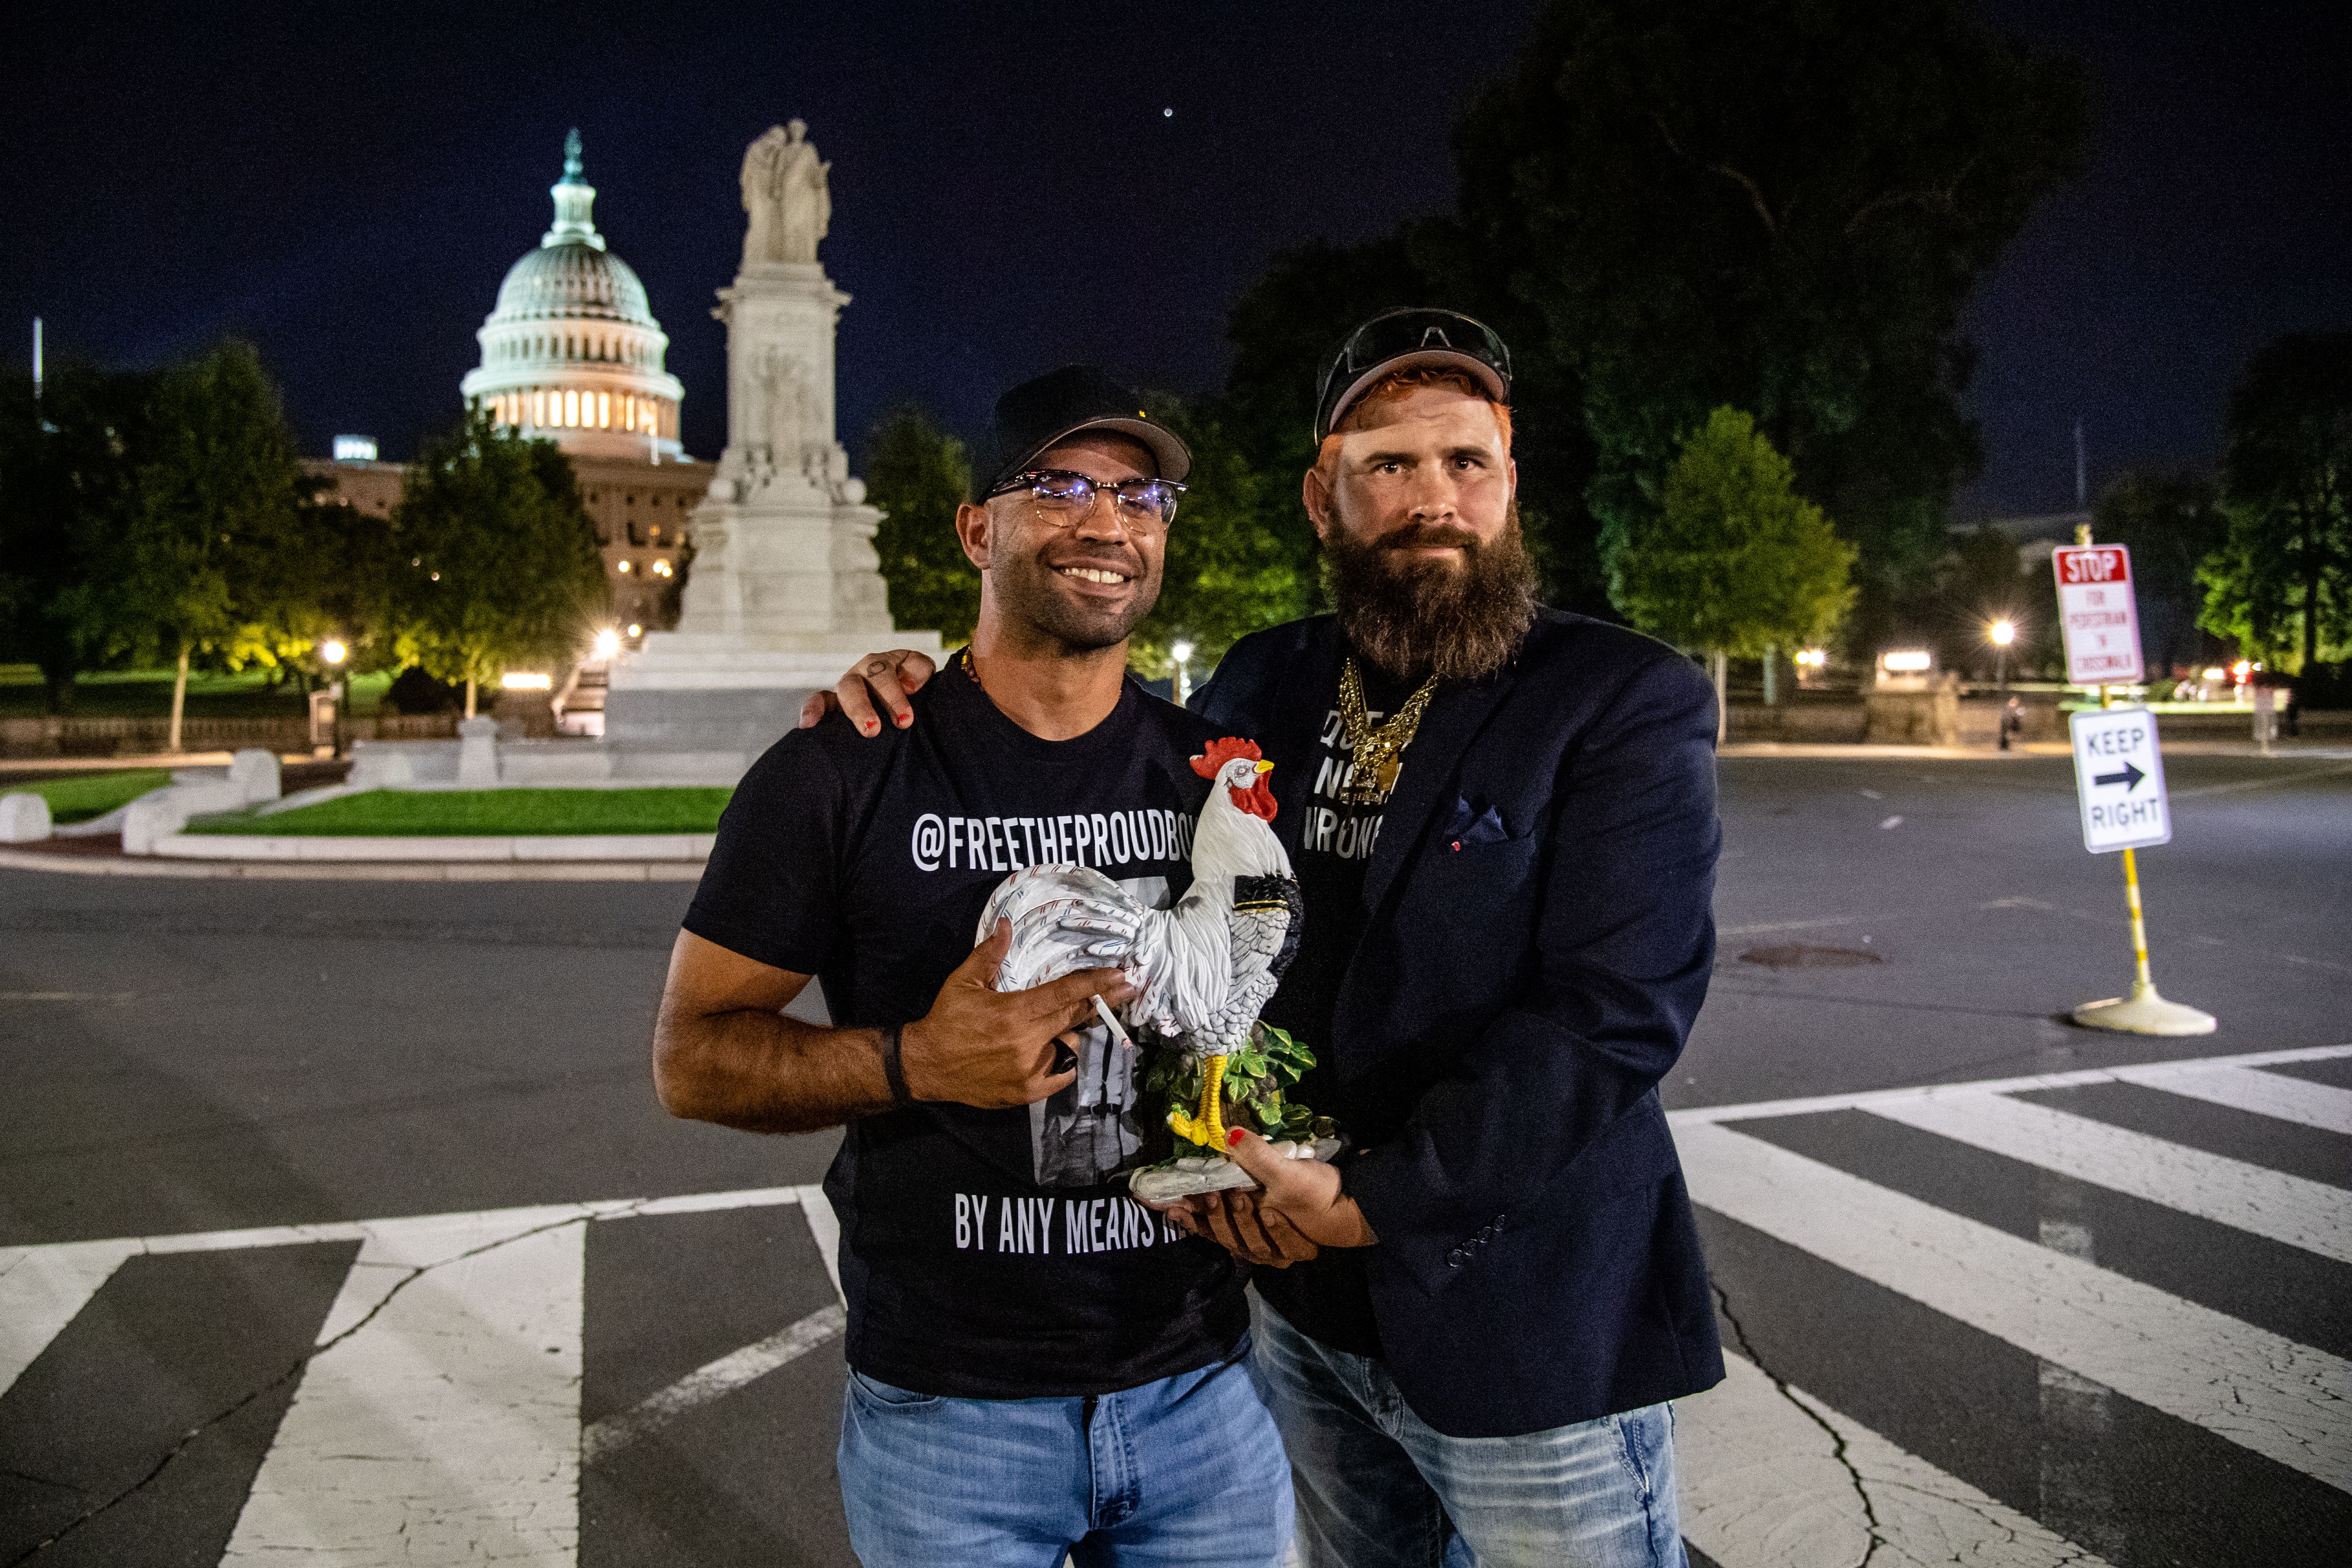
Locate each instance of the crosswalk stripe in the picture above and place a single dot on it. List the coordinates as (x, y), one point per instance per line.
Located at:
(41, 1288)
(712, 1380)
(824, 1225)
(2283, 1401)
(2264, 1093)
(2304, 1214)
(1766, 1483)
(440, 1422)
(2153, 1075)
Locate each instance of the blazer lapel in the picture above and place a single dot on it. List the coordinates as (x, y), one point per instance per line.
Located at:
(1431, 764)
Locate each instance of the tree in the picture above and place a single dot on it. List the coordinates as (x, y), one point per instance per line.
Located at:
(1735, 561)
(1780, 205)
(67, 499)
(2281, 583)
(1286, 328)
(2171, 519)
(217, 517)
(1234, 564)
(918, 475)
(1979, 583)
(502, 566)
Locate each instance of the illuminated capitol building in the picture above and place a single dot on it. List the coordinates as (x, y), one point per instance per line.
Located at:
(573, 353)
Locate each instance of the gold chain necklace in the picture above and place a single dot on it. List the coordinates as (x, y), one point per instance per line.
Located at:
(1378, 753)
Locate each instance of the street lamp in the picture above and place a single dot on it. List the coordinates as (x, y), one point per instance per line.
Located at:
(2002, 633)
(332, 652)
(608, 643)
(1182, 652)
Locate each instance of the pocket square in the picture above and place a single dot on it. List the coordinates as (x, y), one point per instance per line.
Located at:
(1472, 822)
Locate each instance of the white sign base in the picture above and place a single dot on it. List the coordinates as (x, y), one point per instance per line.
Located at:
(2144, 1013)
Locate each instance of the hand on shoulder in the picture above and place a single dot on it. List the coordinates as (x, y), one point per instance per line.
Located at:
(877, 683)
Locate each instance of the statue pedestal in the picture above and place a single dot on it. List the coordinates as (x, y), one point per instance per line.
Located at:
(784, 590)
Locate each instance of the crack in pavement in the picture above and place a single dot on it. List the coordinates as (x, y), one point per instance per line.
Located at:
(302, 1363)
(1837, 1438)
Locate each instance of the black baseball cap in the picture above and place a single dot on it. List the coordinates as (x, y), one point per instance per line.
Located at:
(1036, 414)
(1409, 339)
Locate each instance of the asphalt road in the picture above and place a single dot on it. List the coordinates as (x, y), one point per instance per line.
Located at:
(2110, 1312)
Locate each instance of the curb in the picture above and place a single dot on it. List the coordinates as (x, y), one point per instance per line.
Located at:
(358, 870)
(484, 849)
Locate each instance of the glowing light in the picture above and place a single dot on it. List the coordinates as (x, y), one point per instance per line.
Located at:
(525, 680)
(661, 569)
(1813, 657)
(635, 630)
(603, 411)
(624, 565)
(2241, 669)
(608, 643)
(355, 449)
(1907, 661)
(1182, 652)
(2002, 632)
(571, 410)
(333, 651)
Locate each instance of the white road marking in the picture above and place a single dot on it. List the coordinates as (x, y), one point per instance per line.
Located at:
(1763, 1486)
(2309, 1215)
(41, 1288)
(2153, 1075)
(2264, 1093)
(709, 1381)
(440, 1424)
(2283, 1401)
(824, 1225)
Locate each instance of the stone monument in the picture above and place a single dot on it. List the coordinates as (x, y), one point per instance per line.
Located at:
(785, 589)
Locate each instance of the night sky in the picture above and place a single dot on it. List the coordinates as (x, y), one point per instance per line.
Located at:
(348, 185)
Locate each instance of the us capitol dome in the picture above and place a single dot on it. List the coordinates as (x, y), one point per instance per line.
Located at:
(573, 352)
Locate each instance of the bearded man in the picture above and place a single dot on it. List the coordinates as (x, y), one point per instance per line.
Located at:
(1506, 837)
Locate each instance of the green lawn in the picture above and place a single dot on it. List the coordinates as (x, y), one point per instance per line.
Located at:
(147, 694)
(85, 796)
(495, 813)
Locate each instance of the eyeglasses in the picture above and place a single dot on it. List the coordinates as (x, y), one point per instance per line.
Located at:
(1063, 496)
(1396, 335)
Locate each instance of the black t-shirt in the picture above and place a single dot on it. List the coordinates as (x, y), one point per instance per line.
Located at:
(1326, 1298)
(984, 1254)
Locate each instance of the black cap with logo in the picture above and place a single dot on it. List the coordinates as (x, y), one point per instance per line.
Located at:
(1036, 414)
(1410, 340)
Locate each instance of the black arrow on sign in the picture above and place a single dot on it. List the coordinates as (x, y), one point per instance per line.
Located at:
(2129, 778)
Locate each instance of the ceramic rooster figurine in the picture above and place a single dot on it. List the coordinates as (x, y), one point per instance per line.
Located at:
(1201, 969)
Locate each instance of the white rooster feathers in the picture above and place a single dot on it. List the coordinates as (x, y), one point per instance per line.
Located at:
(1202, 968)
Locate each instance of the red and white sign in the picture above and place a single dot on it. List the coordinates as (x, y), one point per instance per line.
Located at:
(2097, 610)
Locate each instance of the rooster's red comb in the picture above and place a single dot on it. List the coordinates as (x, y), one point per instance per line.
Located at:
(1219, 753)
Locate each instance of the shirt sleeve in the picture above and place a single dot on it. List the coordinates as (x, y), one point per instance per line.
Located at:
(772, 889)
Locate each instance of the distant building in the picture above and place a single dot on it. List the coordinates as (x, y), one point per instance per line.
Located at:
(572, 353)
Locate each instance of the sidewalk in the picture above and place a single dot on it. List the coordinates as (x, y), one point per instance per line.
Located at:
(463, 861)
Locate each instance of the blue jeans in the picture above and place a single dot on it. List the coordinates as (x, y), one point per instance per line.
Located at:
(1379, 1488)
(1186, 1472)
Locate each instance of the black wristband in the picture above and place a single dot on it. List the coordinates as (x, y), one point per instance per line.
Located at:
(894, 1070)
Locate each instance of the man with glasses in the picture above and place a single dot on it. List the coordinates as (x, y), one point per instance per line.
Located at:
(1039, 1365)
(1503, 821)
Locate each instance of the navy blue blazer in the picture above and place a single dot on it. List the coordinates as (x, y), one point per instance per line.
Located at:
(1539, 932)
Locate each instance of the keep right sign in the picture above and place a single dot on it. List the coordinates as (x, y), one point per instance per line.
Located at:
(2119, 779)
(2096, 612)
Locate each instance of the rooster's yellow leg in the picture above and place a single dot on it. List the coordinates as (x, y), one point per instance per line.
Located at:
(1213, 1083)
